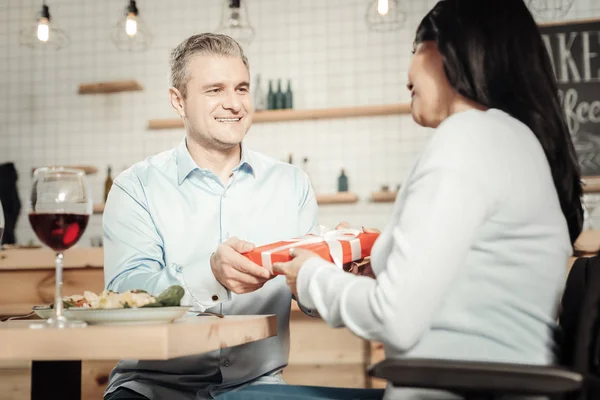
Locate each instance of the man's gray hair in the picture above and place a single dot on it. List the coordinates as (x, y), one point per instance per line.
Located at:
(204, 43)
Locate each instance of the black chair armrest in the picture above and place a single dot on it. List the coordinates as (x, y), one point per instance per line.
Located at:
(473, 377)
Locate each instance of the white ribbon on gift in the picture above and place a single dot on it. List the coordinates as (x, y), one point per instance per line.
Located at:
(333, 238)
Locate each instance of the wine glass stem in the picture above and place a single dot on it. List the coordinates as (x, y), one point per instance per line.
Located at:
(58, 303)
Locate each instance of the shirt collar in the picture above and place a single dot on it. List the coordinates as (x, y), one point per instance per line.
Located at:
(186, 164)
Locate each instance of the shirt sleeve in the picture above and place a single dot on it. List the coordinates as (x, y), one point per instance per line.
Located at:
(446, 204)
(308, 207)
(309, 216)
(134, 252)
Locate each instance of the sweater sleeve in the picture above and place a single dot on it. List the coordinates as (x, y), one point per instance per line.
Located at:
(447, 202)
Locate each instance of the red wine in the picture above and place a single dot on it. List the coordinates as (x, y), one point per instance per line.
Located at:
(59, 231)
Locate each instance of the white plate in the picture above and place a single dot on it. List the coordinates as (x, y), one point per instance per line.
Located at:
(43, 312)
(120, 316)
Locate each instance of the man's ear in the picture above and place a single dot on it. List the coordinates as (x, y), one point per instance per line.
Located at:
(177, 101)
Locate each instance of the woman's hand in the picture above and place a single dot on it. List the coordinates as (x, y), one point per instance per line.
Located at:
(291, 268)
(359, 267)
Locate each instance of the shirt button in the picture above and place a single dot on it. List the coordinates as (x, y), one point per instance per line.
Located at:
(215, 297)
(226, 363)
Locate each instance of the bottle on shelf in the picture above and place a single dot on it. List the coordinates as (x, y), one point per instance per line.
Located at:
(289, 96)
(259, 96)
(342, 182)
(108, 183)
(290, 159)
(279, 97)
(270, 97)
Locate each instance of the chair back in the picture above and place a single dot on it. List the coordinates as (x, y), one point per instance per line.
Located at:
(579, 319)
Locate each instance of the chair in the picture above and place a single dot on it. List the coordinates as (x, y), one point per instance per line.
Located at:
(577, 375)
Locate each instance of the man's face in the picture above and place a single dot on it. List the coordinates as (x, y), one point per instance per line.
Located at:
(218, 105)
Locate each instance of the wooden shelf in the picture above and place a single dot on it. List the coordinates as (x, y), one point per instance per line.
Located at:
(330, 113)
(591, 184)
(109, 87)
(568, 22)
(333, 198)
(337, 198)
(302, 115)
(166, 123)
(383, 197)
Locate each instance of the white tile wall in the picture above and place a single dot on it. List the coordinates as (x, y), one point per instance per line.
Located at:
(324, 47)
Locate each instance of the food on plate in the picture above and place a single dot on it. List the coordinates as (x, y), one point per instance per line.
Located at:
(138, 298)
(171, 297)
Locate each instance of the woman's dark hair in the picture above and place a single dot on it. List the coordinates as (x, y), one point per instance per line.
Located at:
(493, 54)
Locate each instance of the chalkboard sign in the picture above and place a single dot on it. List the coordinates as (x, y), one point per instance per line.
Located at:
(574, 49)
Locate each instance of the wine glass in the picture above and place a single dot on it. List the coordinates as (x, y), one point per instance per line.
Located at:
(59, 210)
(1, 223)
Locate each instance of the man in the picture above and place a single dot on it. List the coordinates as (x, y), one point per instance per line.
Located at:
(176, 217)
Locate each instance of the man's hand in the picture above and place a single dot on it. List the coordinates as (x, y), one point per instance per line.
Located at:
(236, 272)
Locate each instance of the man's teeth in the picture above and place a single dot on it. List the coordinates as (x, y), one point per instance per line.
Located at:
(230, 120)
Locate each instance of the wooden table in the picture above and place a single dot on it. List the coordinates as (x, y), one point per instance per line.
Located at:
(56, 354)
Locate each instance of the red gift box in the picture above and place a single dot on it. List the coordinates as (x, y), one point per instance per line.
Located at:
(339, 246)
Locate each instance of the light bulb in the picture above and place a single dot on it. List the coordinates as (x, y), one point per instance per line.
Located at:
(43, 30)
(385, 15)
(382, 7)
(131, 25)
(234, 20)
(131, 33)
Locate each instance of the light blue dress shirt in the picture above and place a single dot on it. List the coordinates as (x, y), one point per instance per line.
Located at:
(163, 219)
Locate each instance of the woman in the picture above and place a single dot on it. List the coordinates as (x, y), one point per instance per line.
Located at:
(473, 260)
